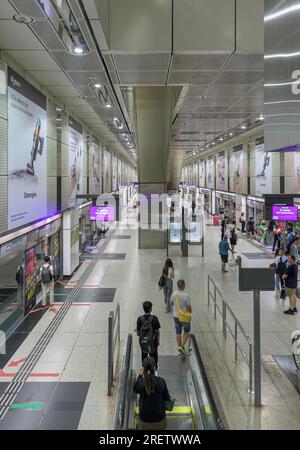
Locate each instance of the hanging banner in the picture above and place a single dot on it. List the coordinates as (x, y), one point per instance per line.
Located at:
(75, 160)
(114, 173)
(210, 173)
(237, 168)
(202, 174)
(220, 181)
(106, 172)
(27, 152)
(263, 163)
(95, 178)
(30, 280)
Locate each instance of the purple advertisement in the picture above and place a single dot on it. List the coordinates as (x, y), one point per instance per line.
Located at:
(284, 212)
(103, 213)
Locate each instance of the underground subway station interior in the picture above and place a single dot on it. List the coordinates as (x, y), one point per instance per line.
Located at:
(149, 216)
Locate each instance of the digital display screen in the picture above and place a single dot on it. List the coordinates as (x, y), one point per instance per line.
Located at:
(103, 213)
(284, 212)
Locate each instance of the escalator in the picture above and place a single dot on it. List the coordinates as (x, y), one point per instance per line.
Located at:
(186, 379)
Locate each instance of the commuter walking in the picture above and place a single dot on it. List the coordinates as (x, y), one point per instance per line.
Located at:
(182, 312)
(168, 273)
(147, 329)
(47, 279)
(243, 222)
(277, 233)
(294, 249)
(262, 232)
(223, 226)
(223, 251)
(193, 207)
(290, 237)
(153, 393)
(251, 226)
(231, 235)
(291, 282)
(280, 269)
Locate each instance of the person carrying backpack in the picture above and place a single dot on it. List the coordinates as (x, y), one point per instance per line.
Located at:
(147, 329)
(280, 263)
(291, 237)
(47, 279)
(231, 235)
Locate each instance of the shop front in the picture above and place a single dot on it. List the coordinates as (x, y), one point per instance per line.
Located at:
(226, 204)
(255, 209)
(206, 199)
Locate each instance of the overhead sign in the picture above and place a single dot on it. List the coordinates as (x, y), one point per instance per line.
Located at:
(285, 212)
(102, 213)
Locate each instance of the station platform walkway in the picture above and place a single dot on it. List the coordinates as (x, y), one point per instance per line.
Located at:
(63, 383)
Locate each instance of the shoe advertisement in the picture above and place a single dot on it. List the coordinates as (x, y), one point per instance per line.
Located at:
(210, 177)
(95, 180)
(220, 182)
(75, 160)
(114, 173)
(263, 168)
(27, 152)
(238, 168)
(106, 171)
(202, 174)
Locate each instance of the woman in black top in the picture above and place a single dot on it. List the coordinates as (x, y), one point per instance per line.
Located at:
(153, 393)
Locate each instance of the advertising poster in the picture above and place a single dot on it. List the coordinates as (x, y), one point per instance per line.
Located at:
(237, 168)
(55, 254)
(210, 178)
(202, 174)
(95, 178)
(220, 181)
(119, 173)
(114, 173)
(106, 172)
(295, 189)
(195, 174)
(30, 280)
(75, 160)
(263, 168)
(27, 152)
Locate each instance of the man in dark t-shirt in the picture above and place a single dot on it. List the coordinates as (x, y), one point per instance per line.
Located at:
(147, 306)
(291, 282)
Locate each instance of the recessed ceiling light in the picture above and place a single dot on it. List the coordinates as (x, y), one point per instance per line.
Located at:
(97, 85)
(108, 105)
(78, 50)
(230, 134)
(58, 109)
(221, 139)
(21, 18)
(261, 117)
(243, 127)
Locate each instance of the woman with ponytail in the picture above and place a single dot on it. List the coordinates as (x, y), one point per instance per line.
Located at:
(153, 394)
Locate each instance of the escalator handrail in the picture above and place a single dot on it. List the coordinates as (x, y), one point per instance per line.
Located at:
(125, 386)
(209, 394)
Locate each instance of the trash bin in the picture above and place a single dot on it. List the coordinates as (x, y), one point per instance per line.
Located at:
(216, 220)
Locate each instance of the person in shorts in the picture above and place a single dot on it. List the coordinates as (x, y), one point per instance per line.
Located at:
(223, 251)
(291, 282)
(182, 329)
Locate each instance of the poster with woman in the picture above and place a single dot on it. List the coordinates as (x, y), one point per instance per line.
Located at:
(95, 173)
(114, 173)
(202, 174)
(263, 163)
(220, 172)
(106, 172)
(75, 160)
(237, 168)
(210, 173)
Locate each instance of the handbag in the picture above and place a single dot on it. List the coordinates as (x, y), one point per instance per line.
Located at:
(169, 404)
(183, 316)
(162, 281)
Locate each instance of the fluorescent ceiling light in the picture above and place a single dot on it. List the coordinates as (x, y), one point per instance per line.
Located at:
(78, 50)
(282, 12)
(243, 127)
(97, 85)
(230, 134)
(108, 105)
(282, 55)
(289, 83)
(282, 101)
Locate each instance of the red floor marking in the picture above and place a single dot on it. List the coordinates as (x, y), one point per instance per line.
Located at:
(16, 363)
(39, 309)
(8, 374)
(55, 311)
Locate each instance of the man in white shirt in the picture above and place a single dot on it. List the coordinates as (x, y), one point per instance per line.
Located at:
(47, 280)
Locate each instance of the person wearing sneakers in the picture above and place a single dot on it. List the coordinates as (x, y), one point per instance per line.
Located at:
(182, 311)
(47, 279)
(291, 282)
(223, 251)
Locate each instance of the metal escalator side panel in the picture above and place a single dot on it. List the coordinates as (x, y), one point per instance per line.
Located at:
(125, 389)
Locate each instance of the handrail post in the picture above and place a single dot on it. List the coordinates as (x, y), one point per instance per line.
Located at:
(250, 370)
(110, 352)
(224, 318)
(208, 290)
(235, 341)
(119, 331)
(215, 301)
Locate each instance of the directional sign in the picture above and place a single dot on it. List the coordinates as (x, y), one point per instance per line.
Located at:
(36, 406)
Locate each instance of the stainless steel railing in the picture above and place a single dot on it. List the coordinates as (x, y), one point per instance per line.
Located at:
(223, 308)
(113, 339)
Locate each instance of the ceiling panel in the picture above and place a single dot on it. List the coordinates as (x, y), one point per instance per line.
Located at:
(30, 8)
(154, 77)
(236, 77)
(184, 77)
(142, 62)
(47, 34)
(245, 62)
(72, 101)
(17, 36)
(197, 90)
(33, 59)
(6, 10)
(68, 61)
(84, 77)
(226, 91)
(51, 77)
(63, 91)
(198, 62)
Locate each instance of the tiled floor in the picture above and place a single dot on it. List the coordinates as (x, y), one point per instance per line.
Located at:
(78, 351)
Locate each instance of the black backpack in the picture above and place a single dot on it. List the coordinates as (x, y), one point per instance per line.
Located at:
(233, 234)
(46, 275)
(147, 335)
(281, 267)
